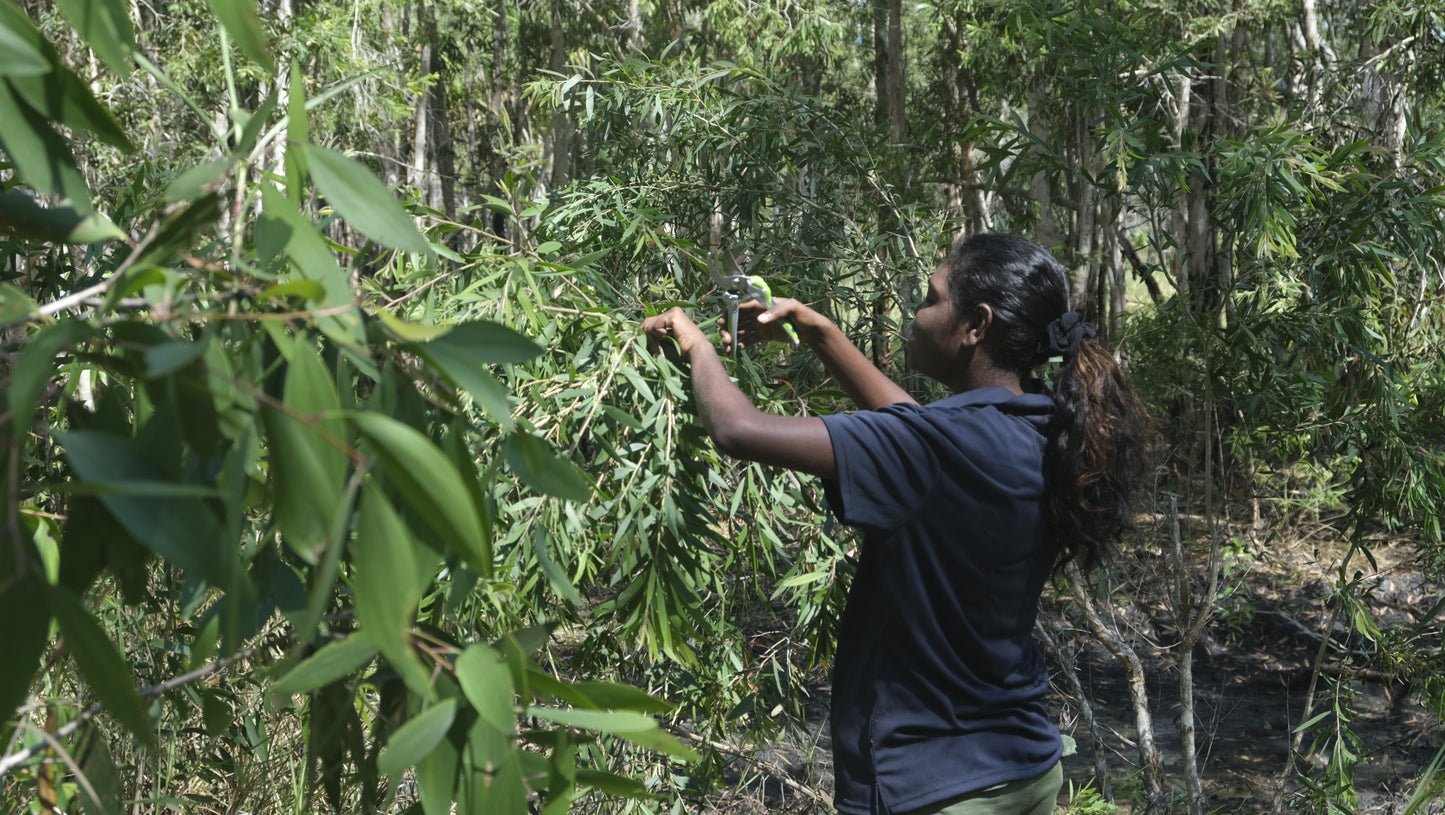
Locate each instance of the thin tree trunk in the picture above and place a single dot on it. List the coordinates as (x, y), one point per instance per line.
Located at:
(1156, 798)
(1048, 633)
(561, 121)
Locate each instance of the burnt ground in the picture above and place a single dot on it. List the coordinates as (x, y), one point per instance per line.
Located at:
(1252, 673)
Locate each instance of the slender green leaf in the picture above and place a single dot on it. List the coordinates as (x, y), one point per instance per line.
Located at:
(436, 778)
(363, 200)
(241, 21)
(255, 123)
(20, 215)
(612, 696)
(163, 359)
(407, 331)
(61, 96)
(17, 56)
(27, 622)
(430, 483)
(487, 683)
(305, 289)
(334, 661)
(15, 305)
(284, 226)
(472, 376)
(177, 233)
(297, 135)
(34, 367)
(105, 27)
(103, 666)
(41, 157)
(538, 466)
(613, 784)
(415, 740)
(637, 728)
(308, 468)
(491, 777)
(100, 774)
(488, 342)
(385, 586)
(196, 181)
(555, 575)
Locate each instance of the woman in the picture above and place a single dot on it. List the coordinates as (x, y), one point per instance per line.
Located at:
(966, 504)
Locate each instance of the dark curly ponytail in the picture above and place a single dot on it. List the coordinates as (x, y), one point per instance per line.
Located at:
(1095, 448)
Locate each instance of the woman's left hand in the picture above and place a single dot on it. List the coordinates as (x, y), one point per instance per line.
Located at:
(676, 324)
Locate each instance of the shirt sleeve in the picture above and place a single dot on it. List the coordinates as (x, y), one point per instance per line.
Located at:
(886, 465)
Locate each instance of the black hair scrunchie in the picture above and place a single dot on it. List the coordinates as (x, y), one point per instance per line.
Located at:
(1063, 336)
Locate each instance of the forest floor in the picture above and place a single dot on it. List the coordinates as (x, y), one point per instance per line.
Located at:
(1252, 671)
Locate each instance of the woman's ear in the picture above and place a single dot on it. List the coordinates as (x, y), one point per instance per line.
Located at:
(977, 324)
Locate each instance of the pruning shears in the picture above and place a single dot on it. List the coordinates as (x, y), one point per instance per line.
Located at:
(738, 287)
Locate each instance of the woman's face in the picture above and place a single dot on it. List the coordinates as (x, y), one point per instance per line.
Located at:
(935, 341)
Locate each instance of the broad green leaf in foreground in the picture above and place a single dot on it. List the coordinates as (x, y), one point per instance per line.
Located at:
(104, 668)
(464, 353)
(105, 27)
(20, 215)
(428, 480)
(283, 228)
(488, 685)
(17, 56)
(41, 156)
(179, 527)
(637, 728)
(308, 468)
(334, 661)
(363, 200)
(15, 305)
(415, 740)
(243, 23)
(385, 586)
(538, 466)
(36, 364)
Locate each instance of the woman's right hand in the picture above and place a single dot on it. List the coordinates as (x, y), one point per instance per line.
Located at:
(758, 325)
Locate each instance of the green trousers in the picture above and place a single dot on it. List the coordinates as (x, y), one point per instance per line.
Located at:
(1031, 796)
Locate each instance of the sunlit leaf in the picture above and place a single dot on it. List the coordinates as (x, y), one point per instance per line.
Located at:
(410, 332)
(243, 23)
(363, 200)
(637, 728)
(196, 181)
(15, 305)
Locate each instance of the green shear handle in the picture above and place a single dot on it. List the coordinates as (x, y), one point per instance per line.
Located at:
(736, 288)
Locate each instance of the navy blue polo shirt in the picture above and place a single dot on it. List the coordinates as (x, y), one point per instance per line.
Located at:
(938, 686)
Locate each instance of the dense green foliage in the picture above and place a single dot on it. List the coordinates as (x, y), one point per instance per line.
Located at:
(336, 472)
